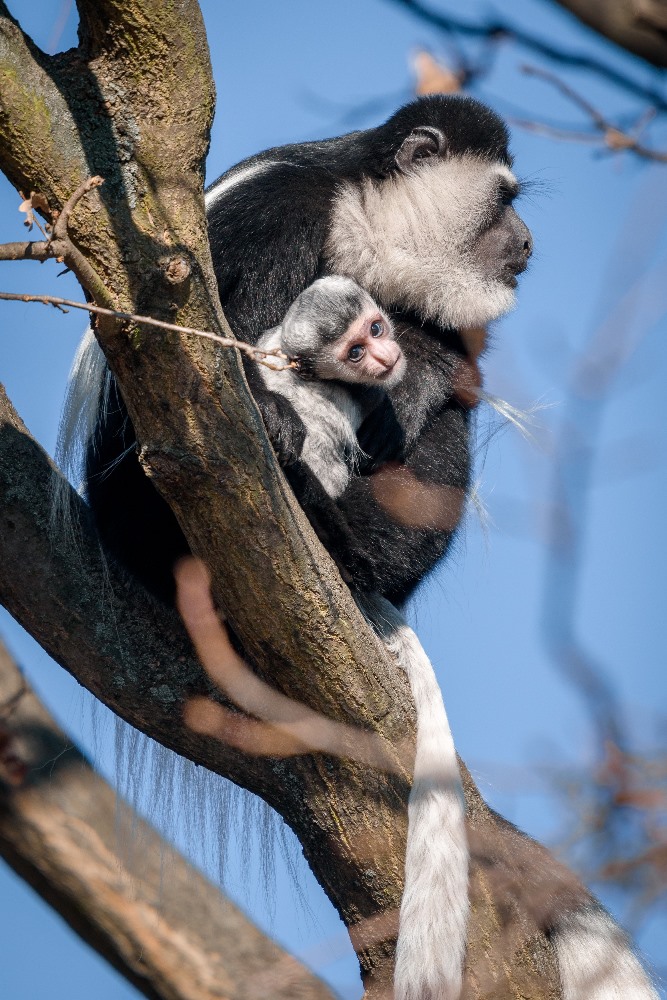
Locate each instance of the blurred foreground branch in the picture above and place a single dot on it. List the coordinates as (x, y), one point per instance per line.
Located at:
(500, 30)
(639, 26)
(174, 937)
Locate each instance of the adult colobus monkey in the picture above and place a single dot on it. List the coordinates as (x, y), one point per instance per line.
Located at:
(419, 211)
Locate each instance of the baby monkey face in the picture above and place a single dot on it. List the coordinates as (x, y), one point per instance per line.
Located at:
(366, 353)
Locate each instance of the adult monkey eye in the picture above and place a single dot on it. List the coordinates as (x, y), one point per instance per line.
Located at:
(356, 353)
(421, 144)
(377, 328)
(506, 194)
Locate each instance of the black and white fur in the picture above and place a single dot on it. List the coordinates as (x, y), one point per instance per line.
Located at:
(595, 959)
(419, 211)
(331, 405)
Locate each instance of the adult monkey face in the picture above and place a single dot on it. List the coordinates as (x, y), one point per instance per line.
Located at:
(437, 235)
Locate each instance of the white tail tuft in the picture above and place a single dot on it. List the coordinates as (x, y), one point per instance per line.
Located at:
(433, 919)
(87, 393)
(596, 961)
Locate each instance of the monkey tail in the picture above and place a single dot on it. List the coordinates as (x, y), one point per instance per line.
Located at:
(87, 394)
(433, 919)
(596, 960)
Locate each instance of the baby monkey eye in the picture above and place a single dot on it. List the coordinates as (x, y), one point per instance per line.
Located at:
(377, 328)
(356, 353)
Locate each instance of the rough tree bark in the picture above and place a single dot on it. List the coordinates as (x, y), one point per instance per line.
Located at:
(168, 930)
(134, 103)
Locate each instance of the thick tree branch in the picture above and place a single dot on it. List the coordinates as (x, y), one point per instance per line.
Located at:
(132, 654)
(39, 146)
(173, 938)
(128, 649)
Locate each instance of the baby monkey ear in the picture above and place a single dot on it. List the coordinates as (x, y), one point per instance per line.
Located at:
(422, 143)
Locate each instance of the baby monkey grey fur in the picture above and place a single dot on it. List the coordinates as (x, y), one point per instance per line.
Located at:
(331, 397)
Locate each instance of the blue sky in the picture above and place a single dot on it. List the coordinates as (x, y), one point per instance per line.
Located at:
(302, 70)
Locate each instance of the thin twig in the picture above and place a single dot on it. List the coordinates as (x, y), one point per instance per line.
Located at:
(61, 219)
(554, 132)
(614, 138)
(63, 304)
(60, 247)
(568, 92)
(68, 253)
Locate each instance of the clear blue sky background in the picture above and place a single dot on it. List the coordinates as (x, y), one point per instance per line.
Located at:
(301, 70)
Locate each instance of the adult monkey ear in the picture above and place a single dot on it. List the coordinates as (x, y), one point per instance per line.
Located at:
(422, 143)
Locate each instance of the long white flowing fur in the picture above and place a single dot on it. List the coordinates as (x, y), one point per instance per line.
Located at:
(87, 390)
(596, 961)
(88, 377)
(434, 910)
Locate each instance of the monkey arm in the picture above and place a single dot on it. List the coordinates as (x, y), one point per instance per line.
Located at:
(283, 425)
(332, 527)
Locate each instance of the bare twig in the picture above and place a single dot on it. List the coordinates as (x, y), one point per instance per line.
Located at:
(610, 135)
(63, 304)
(61, 219)
(59, 245)
(39, 250)
(566, 135)
(566, 91)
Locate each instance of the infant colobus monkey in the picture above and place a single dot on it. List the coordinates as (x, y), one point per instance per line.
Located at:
(345, 352)
(346, 356)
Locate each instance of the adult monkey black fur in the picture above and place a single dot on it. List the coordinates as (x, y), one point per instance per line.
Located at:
(419, 212)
